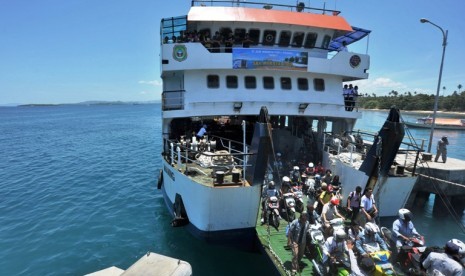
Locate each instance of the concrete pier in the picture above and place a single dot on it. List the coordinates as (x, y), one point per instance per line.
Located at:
(150, 264)
(445, 180)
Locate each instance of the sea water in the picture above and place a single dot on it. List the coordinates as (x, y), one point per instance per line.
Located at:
(78, 194)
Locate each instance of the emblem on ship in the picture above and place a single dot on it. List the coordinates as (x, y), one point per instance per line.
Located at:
(179, 52)
(355, 61)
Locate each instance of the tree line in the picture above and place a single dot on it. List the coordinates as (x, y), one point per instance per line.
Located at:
(414, 101)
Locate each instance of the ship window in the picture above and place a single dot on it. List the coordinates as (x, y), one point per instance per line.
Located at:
(269, 37)
(225, 32)
(239, 35)
(298, 39)
(250, 82)
(254, 35)
(310, 40)
(284, 38)
(326, 41)
(302, 83)
(231, 81)
(213, 81)
(286, 83)
(205, 32)
(319, 84)
(268, 82)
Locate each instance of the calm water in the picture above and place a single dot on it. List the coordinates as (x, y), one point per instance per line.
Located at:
(78, 194)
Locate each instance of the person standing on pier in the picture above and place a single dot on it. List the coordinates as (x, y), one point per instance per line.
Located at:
(442, 149)
(368, 210)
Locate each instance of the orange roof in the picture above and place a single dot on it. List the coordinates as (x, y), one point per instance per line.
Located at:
(240, 14)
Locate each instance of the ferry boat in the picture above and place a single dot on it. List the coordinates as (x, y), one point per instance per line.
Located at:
(266, 80)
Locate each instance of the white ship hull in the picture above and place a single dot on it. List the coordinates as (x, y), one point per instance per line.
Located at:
(213, 212)
(390, 194)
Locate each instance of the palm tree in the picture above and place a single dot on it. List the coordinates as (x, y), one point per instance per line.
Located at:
(459, 87)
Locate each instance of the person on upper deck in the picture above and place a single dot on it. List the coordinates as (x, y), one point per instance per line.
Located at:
(442, 149)
(343, 47)
(345, 94)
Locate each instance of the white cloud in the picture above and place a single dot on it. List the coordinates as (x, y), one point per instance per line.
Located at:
(380, 86)
(156, 83)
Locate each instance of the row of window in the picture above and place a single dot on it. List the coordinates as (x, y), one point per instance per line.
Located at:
(250, 82)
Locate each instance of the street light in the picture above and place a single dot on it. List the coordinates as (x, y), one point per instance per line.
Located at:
(444, 43)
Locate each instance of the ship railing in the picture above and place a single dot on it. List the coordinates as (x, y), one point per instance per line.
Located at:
(173, 100)
(360, 142)
(299, 7)
(186, 154)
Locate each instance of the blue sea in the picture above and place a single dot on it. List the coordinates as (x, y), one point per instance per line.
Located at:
(78, 194)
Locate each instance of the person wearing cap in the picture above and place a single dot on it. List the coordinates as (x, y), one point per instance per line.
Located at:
(441, 149)
(403, 227)
(310, 170)
(297, 235)
(369, 235)
(443, 263)
(202, 131)
(329, 213)
(334, 247)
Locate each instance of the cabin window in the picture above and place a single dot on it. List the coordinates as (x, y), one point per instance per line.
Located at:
(319, 84)
(205, 33)
(239, 34)
(310, 40)
(326, 42)
(231, 82)
(268, 82)
(286, 83)
(298, 39)
(302, 84)
(224, 32)
(269, 37)
(284, 38)
(250, 82)
(213, 81)
(254, 35)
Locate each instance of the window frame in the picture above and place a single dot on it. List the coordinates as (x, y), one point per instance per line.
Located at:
(284, 84)
(319, 87)
(302, 86)
(266, 84)
(232, 84)
(210, 82)
(248, 81)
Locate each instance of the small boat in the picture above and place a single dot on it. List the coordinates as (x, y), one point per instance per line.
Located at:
(440, 123)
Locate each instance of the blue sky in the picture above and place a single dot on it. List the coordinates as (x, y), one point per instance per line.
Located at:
(55, 51)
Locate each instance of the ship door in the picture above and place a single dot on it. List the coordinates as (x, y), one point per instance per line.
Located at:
(173, 92)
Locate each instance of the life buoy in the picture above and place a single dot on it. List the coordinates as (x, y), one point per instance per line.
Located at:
(160, 179)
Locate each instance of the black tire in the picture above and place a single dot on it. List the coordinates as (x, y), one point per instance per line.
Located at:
(160, 179)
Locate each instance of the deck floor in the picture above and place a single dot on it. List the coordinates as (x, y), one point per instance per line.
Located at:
(274, 243)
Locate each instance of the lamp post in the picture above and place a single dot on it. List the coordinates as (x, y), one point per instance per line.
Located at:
(444, 43)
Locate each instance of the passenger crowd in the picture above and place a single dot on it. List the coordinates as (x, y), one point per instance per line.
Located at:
(353, 229)
(350, 94)
(214, 42)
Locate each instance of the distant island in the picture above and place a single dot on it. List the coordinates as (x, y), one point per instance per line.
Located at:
(86, 103)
